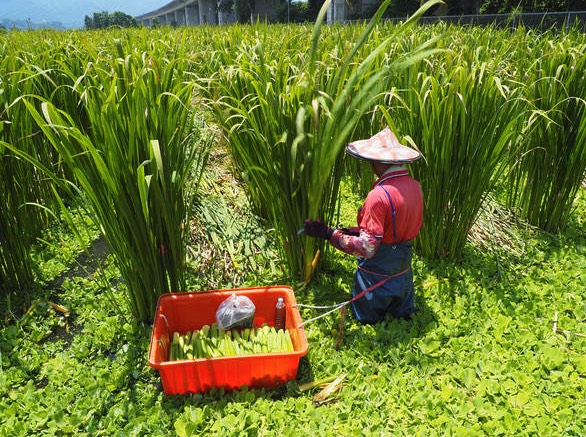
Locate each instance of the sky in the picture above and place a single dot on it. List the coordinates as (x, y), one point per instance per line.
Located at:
(71, 12)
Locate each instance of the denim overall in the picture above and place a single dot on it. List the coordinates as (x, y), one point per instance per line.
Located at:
(391, 268)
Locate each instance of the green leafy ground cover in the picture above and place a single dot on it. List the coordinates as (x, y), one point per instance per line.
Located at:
(479, 358)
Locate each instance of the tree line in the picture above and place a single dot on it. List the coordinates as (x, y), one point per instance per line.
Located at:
(104, 19)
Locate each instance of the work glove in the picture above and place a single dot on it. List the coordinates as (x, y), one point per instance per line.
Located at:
(317, 228)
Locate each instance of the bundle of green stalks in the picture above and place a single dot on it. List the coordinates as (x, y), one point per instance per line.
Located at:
(287, 120)
(551, 161)
(133, 163)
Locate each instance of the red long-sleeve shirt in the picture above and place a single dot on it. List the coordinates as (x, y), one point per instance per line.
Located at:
(393, 191)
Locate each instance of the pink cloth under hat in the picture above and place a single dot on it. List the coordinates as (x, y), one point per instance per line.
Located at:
(383, 147)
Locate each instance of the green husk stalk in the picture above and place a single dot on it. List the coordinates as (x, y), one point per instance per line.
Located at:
(211, 342)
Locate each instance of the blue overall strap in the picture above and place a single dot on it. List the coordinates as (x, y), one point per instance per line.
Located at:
(393, 214)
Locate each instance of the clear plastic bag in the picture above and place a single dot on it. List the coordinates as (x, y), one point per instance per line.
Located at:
(236, 312)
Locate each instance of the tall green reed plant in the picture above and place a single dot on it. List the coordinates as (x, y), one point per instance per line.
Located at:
(551, 161)
(22, 187)
(463, 119)
(287, 122)
(133, 165)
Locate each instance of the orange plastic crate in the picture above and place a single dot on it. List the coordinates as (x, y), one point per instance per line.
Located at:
(184, 312)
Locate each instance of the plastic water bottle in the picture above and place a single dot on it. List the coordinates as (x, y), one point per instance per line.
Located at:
(280, 314)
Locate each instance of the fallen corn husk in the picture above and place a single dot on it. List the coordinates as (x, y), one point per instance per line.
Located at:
(60, 308)
(326, 394)
(321, 383)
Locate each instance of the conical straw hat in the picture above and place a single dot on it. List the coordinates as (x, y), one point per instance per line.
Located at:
(383, 147)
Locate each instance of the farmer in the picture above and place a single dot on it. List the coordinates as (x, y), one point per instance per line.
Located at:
(388, 221)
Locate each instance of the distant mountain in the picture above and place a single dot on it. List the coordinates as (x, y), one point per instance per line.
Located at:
(68, 13)
(25, 24)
